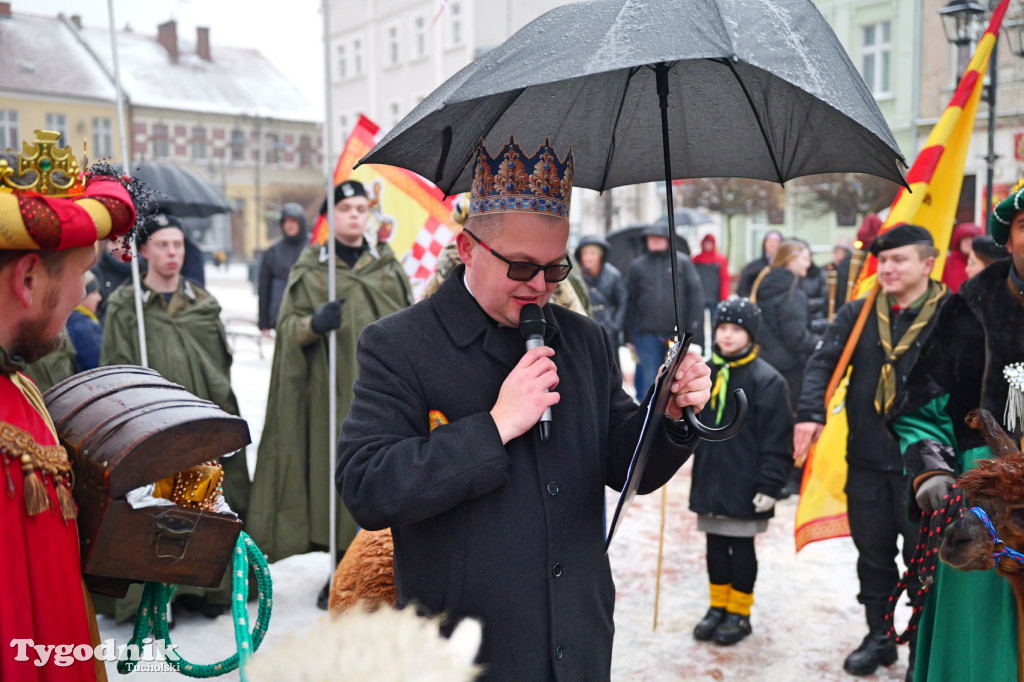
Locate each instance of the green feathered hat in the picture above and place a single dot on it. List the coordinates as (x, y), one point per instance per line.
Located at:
(1003, 213)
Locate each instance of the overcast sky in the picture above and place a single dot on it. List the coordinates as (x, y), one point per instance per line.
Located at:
(289, 34)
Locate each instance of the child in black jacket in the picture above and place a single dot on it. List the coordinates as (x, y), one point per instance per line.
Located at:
(735, 482)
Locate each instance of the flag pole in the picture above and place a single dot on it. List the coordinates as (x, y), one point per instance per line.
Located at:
(136, 277)
(332, 336)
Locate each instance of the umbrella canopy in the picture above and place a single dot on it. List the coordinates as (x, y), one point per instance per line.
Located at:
(626, 243)
(756, 88)
(180, 191)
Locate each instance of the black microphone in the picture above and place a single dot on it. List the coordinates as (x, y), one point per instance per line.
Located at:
(532, 327)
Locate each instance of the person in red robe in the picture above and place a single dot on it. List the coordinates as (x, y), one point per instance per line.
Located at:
(51, 214)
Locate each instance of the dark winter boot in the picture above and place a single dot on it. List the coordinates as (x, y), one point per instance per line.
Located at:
(734, 628)
(705, 630)
(877, 648)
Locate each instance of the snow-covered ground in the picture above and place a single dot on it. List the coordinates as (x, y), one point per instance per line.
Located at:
(805, 618)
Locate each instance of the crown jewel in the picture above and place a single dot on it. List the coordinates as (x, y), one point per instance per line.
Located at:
(43, 168)
(512, 182)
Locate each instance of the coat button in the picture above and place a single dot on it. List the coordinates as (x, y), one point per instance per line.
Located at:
(552, 488)
(559, 652)
(556, 570)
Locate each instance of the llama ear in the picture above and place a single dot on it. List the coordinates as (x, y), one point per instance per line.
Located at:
(995, 437)
(465, 640)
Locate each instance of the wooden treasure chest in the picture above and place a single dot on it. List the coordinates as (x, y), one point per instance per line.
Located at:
(126, 427)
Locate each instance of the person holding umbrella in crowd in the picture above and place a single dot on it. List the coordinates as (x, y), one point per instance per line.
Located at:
(290, 504)
(650, 313)
(277, 262)
(606, 285)
(490, 520)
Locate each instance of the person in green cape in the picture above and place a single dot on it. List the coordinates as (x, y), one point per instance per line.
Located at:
(187, 344)
(292, 484)
(972, 359)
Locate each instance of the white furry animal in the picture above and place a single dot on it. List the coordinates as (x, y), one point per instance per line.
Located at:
(380, 646)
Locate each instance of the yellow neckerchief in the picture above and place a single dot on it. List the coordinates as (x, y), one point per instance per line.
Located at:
(885, 394)
(88, 313)
(719, 390)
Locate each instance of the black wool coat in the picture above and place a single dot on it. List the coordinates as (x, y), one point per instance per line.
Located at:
(649, 297)
(510, 534)
(868, 444)
(785, 336)
(758, 459)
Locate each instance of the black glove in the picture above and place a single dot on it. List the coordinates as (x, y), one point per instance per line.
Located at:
(328, 317)
(932, 491)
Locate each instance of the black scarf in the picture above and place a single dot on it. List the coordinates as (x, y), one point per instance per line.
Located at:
(9, 364)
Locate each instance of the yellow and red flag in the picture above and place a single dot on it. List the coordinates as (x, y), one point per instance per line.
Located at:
(417, 211)
(935, 179)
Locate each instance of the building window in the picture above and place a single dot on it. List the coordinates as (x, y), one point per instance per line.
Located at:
(58, 123)
(305, 151)
(419, 25)
(273, 154)
(456, 11)
(875, 53)
(237, 145)
(102, 137)
(8, 129)
(161, 148)
(198, 143)
(395, 108)
(357, 57)
(393, 52)
(342, 63)
(343, 129)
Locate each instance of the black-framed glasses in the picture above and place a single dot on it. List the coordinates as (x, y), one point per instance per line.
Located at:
(521, 271)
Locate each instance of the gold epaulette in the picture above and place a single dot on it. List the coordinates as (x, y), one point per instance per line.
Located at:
(35, 458)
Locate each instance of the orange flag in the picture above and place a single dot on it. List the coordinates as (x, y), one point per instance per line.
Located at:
(412, 214)
(935, 179)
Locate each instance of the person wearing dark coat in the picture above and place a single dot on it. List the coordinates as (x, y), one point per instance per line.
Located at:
(786, 338)
(751, 270)
(735, 481)
(489, 520)
(277, 263)
(650, 323)
(903, 315)
(84, 328)
(605, 284)
(111, 271)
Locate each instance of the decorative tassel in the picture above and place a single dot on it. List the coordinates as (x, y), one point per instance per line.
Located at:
(68, 509)
(1013, 415)
(36, 499)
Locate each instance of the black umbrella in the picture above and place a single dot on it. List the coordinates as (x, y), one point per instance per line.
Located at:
(748, 88)
(180, 191)
(626, 243)
(684, 217)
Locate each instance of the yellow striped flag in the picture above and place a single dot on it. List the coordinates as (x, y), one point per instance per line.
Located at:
(935, 179)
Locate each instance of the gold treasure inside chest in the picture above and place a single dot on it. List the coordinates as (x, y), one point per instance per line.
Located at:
(148, 486)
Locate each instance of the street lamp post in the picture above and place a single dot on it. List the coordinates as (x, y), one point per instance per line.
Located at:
(962, 20)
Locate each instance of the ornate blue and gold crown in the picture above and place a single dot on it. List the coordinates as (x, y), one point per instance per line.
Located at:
(512, 182)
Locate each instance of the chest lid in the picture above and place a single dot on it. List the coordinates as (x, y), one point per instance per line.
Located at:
(126, 426)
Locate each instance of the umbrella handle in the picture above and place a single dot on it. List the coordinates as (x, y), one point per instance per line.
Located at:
(723, 432)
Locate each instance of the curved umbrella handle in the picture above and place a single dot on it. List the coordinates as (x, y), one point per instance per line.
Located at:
(723, 432)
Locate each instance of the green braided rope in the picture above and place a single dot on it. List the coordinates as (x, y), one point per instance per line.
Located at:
(152, 615)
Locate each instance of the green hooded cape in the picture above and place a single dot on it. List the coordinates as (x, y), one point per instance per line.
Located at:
(292, 484)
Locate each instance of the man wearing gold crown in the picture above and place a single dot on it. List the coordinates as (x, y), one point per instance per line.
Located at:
(490, 521)
(50, 217)
(973, 358)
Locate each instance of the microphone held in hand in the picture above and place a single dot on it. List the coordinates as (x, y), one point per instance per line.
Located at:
(532, 326)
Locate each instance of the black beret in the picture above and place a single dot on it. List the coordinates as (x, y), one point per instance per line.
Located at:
(155, 223)
(345, 190)
(986, 249)
(742, 312)
(901, 235)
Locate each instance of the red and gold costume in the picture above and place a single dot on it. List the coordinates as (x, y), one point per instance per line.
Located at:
(46, 203)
